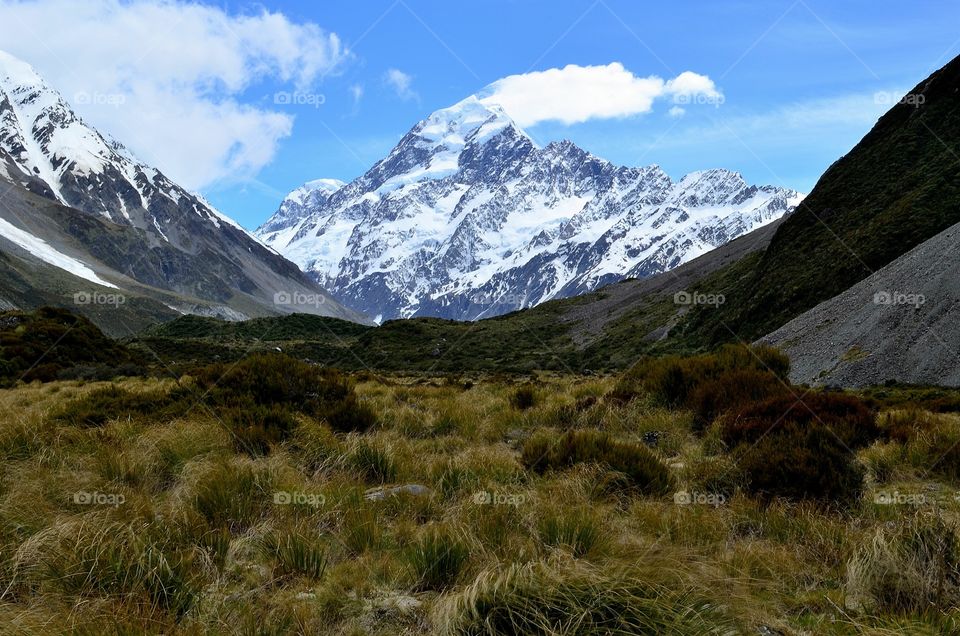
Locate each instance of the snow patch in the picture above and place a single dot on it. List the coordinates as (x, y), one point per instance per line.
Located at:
(47, 254)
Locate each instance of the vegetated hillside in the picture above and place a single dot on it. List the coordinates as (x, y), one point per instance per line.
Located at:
(51, 343)
(530, 341)
(28, 284)
(898, 324)
(607, 329)
(897, 188)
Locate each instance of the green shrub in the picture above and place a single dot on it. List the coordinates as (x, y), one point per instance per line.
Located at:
(847, 417)
(760, 357)
(636, 462)
(436, 558)
(51, 343)
(349, 415)
(274, 379)
(523, 397)
(729, 391)
(677, 381)
(801, 462)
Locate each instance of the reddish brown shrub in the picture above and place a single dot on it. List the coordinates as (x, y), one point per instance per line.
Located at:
(845, 416)
(732, 390)
(801, 462)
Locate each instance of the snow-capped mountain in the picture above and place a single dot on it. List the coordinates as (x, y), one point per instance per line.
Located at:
(468, 218)
(182, 244)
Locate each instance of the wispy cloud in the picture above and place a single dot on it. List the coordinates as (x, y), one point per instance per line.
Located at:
(401, 83)
(356, 92)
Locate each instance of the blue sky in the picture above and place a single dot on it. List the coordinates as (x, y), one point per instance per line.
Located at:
(801, 80)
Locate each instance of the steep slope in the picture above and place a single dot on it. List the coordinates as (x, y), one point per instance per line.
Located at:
(176, 241)
(51, 254)
(898, 324)
(467, 218)
(897, 188)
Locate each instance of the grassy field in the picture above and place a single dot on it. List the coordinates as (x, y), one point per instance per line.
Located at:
(546, 505)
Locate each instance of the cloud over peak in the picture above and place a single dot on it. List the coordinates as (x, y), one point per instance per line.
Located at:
(575, 94)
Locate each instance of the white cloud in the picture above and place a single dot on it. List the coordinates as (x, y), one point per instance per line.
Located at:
(401, 83)
(689, 83)
(171, 74)
(676, 112)
(575, 94)
(356, 92)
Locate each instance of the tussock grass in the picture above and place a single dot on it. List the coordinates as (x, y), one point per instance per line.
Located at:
(539, 599)
(296, 552)
(579, 530)
(558, 518)
(437, 557)
(911, 566)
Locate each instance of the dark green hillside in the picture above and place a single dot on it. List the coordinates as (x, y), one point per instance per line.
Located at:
(897, 188)
(291, 327)
(51, 343)
(518, 342)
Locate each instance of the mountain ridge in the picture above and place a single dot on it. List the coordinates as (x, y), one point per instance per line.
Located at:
(184, 246)
(467, 217)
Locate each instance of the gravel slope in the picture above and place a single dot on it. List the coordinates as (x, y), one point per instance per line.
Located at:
(902, 323)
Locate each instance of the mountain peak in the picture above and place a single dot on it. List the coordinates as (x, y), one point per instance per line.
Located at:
(471, 120)
(467, 217)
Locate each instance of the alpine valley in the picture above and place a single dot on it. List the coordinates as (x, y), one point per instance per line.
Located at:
(469, 218)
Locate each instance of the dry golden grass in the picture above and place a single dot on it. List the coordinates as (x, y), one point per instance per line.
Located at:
(163, 527)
